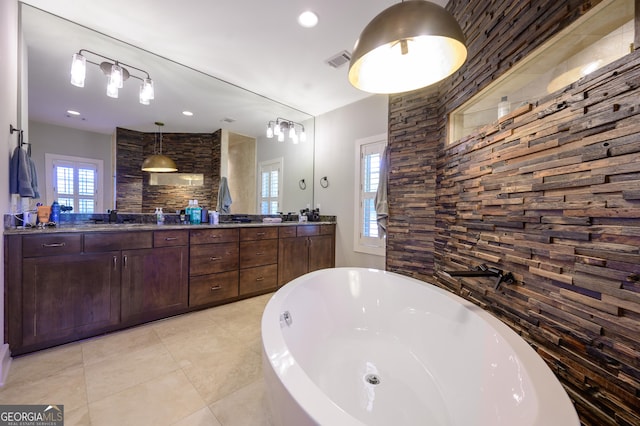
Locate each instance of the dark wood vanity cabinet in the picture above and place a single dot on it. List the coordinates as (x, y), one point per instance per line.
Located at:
(56, 293)
(155, 281)
(305, 248)
(65, 286)
(258, 260)
(213, 270)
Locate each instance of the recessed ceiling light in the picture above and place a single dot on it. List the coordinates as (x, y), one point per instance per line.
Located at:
(72, 112)
(187, 113)
(308, 19)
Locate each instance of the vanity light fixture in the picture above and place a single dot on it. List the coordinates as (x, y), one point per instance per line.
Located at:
(115, 72)
(158, 162)
(282, 127)
(408, 46)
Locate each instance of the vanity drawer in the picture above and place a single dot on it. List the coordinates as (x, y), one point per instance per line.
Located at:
(212, 288)
(249, 234)
(170, 238)
(216, 235)
(261, 278)
(327, 229)
(307, 230)
(51, 245)
(108, 241)
(257, 253)
(213, 258)
(287, 231)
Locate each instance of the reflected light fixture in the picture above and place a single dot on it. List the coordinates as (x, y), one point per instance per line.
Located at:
(115, 72)
(158, 162)
(282, 127)
(408, 46)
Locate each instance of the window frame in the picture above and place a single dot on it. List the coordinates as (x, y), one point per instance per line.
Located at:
(368, 245)
(50, 179)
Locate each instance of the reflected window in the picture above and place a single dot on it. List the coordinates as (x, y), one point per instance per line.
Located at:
(75, 182)
(270, 184)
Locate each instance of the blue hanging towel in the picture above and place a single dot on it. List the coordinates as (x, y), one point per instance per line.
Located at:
(20, 181)
(224, 197)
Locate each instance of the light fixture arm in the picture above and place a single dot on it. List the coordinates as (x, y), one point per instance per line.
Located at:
(116, 62)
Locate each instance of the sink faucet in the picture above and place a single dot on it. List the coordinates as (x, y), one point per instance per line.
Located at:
(484, 271)
(113, 216)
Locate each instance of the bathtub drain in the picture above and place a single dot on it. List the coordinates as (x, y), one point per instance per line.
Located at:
(372, 379)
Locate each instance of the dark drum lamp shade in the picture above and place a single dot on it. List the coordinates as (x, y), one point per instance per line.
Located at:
(408, 46)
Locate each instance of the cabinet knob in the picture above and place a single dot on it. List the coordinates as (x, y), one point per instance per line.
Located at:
(260, 279)
(171, 238)
(216, 288)
(213, 259)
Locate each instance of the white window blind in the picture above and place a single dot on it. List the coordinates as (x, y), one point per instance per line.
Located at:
(369, 154)
(270, 184)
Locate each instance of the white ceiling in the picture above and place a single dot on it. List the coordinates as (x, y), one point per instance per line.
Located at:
(256, 45)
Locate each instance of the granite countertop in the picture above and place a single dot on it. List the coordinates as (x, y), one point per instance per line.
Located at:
(119, 227)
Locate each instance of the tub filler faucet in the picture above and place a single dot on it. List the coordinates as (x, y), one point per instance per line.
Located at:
(485, 271)
(285, 318)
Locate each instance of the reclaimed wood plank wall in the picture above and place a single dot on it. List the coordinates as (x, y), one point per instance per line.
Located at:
(192, 152)
(550, 192)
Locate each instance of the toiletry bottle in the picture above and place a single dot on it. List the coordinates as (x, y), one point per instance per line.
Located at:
(503, 107)
(187, 211)
(195, 213)
(159, 216)
(55, 213)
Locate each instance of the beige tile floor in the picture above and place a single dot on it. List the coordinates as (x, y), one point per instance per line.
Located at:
(201, 368)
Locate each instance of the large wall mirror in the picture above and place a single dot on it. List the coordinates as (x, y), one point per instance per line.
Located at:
(46, 96)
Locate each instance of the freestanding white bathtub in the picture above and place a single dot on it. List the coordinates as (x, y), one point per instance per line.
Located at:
(351, 346)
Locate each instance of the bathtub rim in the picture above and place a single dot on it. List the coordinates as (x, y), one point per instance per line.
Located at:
(553, 400)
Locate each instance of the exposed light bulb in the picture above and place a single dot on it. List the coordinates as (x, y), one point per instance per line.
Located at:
(281, 137)
(78, 70)
(276, 130)
(294, 138)
(303, 136)
(146, 91)
(269, 131)
(116, 78)
(292, 131)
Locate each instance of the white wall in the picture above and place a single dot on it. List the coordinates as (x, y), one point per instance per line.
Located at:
(335, 137)
(51, 139)
(8, 115)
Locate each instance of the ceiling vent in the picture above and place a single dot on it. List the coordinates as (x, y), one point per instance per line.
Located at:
(340, 59)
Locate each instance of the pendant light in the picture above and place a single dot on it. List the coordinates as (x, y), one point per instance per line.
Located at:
(157, 162)
(408, 46)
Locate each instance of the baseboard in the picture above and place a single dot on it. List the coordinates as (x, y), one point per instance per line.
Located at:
(5, 363)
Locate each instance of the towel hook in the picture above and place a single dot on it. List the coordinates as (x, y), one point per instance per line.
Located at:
(302, 184)
(324, 182)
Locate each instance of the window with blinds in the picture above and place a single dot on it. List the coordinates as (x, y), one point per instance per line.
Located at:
(75, 182)
(270, 184)
(369, 153)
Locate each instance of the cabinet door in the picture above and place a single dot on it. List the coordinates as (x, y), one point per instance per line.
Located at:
(154, 283)
(321, 252)
(69, 297)
(293, 259)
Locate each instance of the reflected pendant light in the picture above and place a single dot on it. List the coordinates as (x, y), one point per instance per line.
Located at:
(408, 46)
(157, 162)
